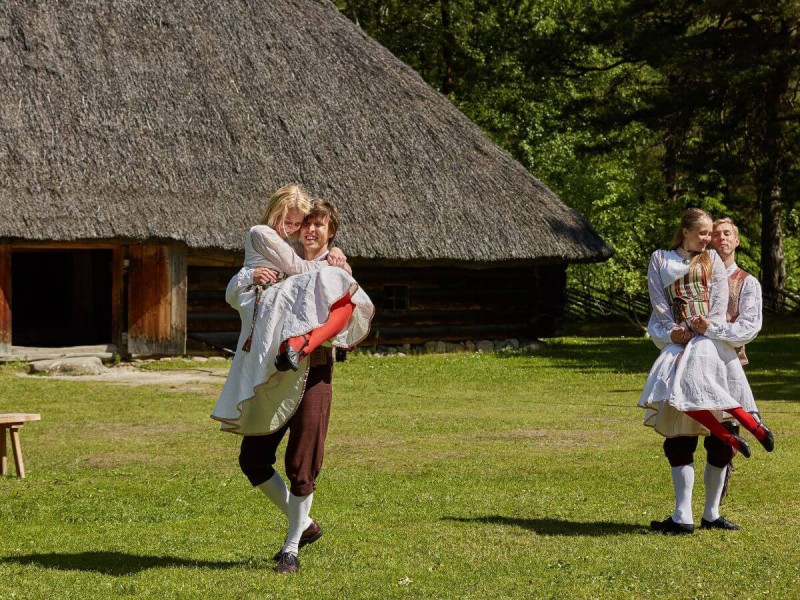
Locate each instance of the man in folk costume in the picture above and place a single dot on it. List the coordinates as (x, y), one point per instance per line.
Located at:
(307, 427)
(743, 324)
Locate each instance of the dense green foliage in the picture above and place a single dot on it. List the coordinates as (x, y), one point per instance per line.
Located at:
(631, 110)
(450, 476)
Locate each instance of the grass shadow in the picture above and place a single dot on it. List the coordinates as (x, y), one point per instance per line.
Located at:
(114, 563)
(557, 526)
(618, 355)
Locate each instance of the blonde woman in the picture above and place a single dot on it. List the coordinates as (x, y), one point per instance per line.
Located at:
(695, 379)
(311, 302)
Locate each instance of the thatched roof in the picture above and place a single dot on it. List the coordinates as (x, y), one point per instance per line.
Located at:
(175, 119)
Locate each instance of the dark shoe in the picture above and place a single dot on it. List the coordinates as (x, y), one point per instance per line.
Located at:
(670, 527)
(287, 563)
(744, 447)
(720, 523)
(769, 440)
(290, 359)
(312, 533)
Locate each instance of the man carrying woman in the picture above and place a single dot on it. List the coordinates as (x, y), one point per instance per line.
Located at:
(697, 380)
(263, 402)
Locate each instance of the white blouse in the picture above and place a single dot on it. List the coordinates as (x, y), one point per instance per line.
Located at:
(742, 331)
(667, 266)
(264, 248)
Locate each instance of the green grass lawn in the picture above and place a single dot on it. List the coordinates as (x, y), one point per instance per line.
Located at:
(445, 476)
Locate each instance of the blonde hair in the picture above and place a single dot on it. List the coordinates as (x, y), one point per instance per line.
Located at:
(689, 219)
(727, 221)
(282, 201)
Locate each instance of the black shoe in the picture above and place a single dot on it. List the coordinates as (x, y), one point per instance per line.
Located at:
(720, 523)
(288, 360)
(287, 563)
(769, 440)
(744, 447)
(670, 527)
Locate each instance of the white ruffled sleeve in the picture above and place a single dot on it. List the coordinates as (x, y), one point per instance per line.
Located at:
(718, 289)
(662, 312)
(271, 246)
(747, 325)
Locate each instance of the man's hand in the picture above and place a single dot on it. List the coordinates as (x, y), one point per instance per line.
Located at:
(336, 258)
(700, 324)
(264, 276)
(680, 335)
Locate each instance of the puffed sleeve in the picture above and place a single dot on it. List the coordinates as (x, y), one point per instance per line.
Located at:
(658, 332)
(271, 246)
(237, 285)
(662, 313)
(717, 312)
(747, 325)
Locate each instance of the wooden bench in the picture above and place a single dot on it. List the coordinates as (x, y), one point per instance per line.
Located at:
(13, 422)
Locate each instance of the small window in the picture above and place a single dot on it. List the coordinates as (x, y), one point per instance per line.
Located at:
(395, 297)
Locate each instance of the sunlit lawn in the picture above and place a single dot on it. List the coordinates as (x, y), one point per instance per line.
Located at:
(445, 476)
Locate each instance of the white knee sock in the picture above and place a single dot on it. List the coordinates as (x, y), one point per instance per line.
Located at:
(683, 482)
(714, 478)
(299, 507)
(274, 488)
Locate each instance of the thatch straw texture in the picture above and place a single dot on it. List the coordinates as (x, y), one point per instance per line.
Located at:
(175, 119)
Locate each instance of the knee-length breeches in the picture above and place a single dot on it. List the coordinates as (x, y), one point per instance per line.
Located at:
(680, 450)
(307, 428)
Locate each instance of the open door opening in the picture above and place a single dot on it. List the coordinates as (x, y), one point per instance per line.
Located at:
(61, 297)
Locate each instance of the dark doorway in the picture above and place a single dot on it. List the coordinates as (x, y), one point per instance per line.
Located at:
(60, 297)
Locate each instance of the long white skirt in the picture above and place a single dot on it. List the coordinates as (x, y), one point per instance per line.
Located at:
(257, 399)
(704, 374)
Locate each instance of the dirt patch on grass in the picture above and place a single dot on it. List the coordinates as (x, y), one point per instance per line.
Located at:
(184, 380)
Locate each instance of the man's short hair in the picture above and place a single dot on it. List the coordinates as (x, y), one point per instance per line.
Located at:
(727, 221)
(322, 209)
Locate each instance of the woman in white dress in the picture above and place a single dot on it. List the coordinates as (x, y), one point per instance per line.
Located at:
(310, 303)
(696, 380)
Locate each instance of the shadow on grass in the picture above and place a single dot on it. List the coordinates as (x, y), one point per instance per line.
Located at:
(114, 563)
(623, 355)
(556, 526)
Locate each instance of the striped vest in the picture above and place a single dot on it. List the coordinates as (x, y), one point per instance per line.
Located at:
(689, 295)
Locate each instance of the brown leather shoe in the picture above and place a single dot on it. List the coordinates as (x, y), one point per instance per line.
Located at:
(287, 563)
(312, 533)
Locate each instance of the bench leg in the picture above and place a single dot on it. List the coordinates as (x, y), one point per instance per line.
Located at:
(17, 452)
(3, 451)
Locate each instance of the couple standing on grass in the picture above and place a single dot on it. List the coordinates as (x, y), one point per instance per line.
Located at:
(293, 294)
(705, 309)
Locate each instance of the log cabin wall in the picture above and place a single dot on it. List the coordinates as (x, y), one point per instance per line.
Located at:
(413, 304)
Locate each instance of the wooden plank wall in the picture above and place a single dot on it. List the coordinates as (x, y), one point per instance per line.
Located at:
(5, 299)
(157, 299)
(445, 303)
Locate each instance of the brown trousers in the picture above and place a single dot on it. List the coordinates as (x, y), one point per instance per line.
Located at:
(307, 428)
